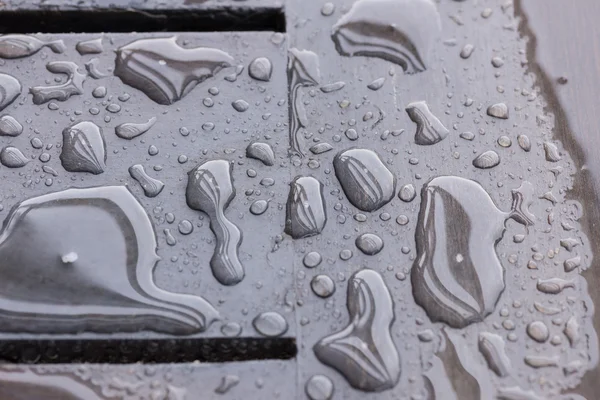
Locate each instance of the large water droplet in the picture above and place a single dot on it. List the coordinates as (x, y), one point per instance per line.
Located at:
(17, 46)
(84, 149)
(305, 210)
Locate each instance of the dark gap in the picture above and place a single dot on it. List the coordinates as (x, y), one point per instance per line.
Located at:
(127, 351)
(128, 20)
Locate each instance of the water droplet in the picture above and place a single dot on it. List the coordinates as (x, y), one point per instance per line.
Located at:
(327, 10)
(364, 352)
(303, 71)
(259, 207)
(376, 84)
(366, 181)
(504, 141)
(346, 254)
(541, 361)
(319, 387)
(12, 157)
(10, 89)
(463, 281)
(492, 347)
(231, 329)
(386, 29)
(227, 382)
(130, 130)
(351, 134)
(369, 243)
(152, 150)
(516, 393)
(554, 285)
(312, 259)
(407, 193)
(17, 46)
(466, 51)
(152, 187)
(270, 324)
(240, 105)
(261, 69)
(91, 46)
(322, 285)
(333, 87)
(210, 189)
(113, 108)
(487, 159)
(9, 126)
(92, 69)
(572, 263)
(99, 92)
(497, 62)
(61, 92)
(115, 242)
(84, 149)
(321, 148)
(524, 142)
(305, 210)
(498, 110)
(572, 331)
(429, 128)
(262, 152)
(551, 151)
(467, 135)
(538, 331)
(138, 65)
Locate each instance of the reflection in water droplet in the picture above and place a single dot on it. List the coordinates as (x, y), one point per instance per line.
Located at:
(210, 189)
(109, 287)
(364, 352)
(260, 69)
(376, 84)
(369, 243)
(319, 387)
(12, 157)
(457, 277)
(305, 209)
(17, 46)
(262, 152)
(10, 89)
(429, 128)
(9, 126)
(130, 130)
(303, 71)
(152, 187)
(165, 71)
(61, 92)
(399, 31)
(270, 324)
(84, 149)
(366, 181)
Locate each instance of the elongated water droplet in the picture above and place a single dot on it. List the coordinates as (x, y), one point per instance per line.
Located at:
(84, 149)
(130, 130)
(376, 84)
(492, 347)
(17, 46)
(152, 187)
(369, 243)
(303, 71)
(551, 151)
(524, 142)
(305, 210)
(399, 31)
(487, 159)
(210, 189)
(61, 92)
(364, 352)
(108, 287)
(165, 71)
(333, 87)
(541, 361)
(366, 181)
(321, 148)
(554, 285)
(572, 331)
